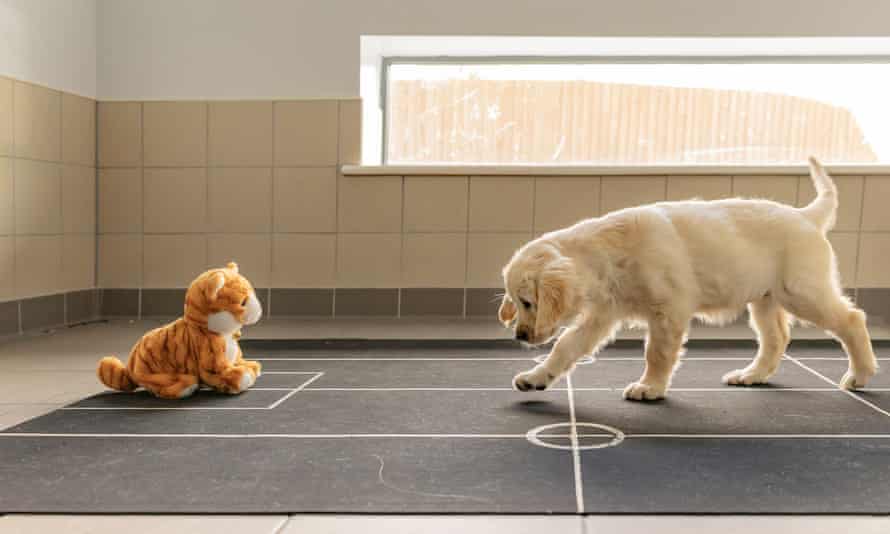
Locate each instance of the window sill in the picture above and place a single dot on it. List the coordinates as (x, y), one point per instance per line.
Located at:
(602, 170)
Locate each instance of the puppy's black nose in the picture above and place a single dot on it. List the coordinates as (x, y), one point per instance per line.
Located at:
(522, 335)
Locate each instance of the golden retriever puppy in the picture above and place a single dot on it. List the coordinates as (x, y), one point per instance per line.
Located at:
(666, 263)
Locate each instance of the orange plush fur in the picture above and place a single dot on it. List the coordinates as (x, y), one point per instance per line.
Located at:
(199, 348)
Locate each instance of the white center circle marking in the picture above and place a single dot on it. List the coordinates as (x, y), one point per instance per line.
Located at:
(585, 360)
(534, 436)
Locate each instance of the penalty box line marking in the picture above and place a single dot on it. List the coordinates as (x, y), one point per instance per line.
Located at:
(290, 393)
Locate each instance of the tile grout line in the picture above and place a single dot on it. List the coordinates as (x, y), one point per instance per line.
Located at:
(283, 525)
(141, 208)
(859, 243)
(576, 453)
(14, 167)
(467, 248)
(271, 252)
(848, 392)
(337, 177)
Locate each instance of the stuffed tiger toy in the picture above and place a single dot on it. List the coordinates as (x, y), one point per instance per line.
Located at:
(199, 348)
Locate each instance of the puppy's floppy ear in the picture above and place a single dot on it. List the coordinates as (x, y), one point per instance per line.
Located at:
(554, 293)
(507, 311)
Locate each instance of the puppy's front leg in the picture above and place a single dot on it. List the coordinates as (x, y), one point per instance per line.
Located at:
(663, 345)
(577, 341)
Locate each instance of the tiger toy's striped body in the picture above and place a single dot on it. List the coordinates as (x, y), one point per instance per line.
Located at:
(199, 348)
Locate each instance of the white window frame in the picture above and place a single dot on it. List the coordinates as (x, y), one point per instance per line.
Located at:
(378, 53)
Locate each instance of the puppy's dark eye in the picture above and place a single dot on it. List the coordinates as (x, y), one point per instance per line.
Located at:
(244, 302)
(525, 304)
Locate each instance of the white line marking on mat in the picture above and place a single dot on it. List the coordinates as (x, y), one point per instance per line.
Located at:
(576, 454)
(291, 393)
(295, 391)
(438, 436)
(835, 384)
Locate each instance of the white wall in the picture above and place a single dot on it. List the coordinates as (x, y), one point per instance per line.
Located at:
(50, 43)
(190, 49)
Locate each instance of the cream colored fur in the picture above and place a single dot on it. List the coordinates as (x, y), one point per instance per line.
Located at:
(666, 263)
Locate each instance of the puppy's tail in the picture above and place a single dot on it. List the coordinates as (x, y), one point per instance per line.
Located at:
(114, 375)
(823, 210)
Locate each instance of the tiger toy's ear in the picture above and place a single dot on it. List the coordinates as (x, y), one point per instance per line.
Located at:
(232, 266)
(214, 284)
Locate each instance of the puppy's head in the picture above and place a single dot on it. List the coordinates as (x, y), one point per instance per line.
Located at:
(541, 287)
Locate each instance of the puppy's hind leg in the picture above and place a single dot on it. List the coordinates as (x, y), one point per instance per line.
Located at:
(770, 321)
(831, 311)
(663, 345)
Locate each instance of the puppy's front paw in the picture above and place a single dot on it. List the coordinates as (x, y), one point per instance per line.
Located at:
(746, 377)
(639, 391)
(537, 379)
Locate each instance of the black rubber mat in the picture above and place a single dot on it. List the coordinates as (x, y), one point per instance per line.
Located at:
(357, 426)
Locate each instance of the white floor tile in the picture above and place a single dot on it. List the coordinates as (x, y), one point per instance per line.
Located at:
(737, 524)
(136, 524)
(321, 524)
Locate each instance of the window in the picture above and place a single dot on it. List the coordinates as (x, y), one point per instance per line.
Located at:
(636, 111)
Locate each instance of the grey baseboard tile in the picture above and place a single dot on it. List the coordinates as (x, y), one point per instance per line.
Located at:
(43, 312)
(119, 302)
(262, 294)
(162, 302)
(302, 302)
(483, 302)
(874, 301)
(432, 302)
(9, 318)
(82, 306)
(366, 302)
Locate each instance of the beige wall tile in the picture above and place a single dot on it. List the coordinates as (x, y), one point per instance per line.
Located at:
(38, 265)
(120, 260)
(120, 134)
(241, 134)
(501, 204)
(621, 192)
(120, 200)
(563, 201)
(701, 187)
(849, 189)
(78, 130)
(38, 197)
(488, 254)
(369, 260)
(350, 128)
(252, 253)
(38, 122)
(306, 133)
(175, 200)
(240, 199)
(78, 199)
(436, 203)
(305, 199)
(370, 204)
(6, 114)
(434, 260)
(175, 134)
(872, 270)
(845, 245)
(304, 260)
(875, 215)
(7, 195)
(173, 260)
(777, 188)
(79, 262)
(7, 268)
